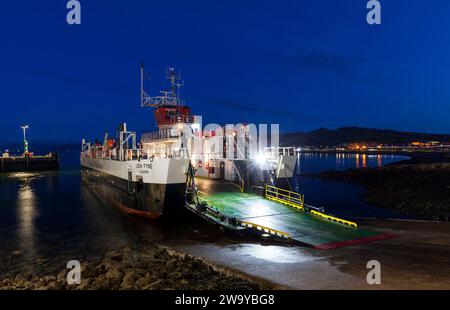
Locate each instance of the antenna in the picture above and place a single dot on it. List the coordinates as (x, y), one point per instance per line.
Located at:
(173, 77)
(145, 98)
(168, 98)
(142, 79)
(178, 85)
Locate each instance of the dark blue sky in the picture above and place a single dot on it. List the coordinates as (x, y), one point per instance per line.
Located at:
(303, 64)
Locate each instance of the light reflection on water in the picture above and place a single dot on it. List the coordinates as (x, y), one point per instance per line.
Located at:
(319, 162)
(339, 198)
(26, 215)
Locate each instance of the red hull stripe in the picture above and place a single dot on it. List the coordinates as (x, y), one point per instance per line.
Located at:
(123, 208)
(146, 214)
(339, 244)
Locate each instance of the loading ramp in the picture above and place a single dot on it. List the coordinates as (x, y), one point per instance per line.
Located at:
(279, 214)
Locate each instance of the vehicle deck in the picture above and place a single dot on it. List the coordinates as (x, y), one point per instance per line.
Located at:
(301, 226)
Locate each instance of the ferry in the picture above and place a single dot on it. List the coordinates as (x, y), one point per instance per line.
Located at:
(149, 177)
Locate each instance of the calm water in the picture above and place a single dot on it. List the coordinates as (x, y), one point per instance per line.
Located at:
(339, 198)
(49, 217)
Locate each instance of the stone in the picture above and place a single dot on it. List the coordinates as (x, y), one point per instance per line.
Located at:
(92, 269)
(184, 282)
(142, 282)
(153, 285)
(129, 279)
(48, 279)
(171, 262)
(114, 273)
(100, 283)
(62, 276)
(85, 284)
(114, 255)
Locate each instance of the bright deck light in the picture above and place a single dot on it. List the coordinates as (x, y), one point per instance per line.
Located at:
(260, 159)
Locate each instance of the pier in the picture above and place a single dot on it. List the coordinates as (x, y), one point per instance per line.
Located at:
(27, 163)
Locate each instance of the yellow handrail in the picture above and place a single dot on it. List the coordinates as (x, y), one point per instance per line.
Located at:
(266, 229)
(284, 196)
(334, 219)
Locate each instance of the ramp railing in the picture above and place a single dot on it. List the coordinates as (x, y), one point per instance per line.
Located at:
(286, 197)
(241, 184)
(334, 219)
(267, 230)
(297, 200)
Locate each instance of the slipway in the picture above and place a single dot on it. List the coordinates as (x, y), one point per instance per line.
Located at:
(282, 214)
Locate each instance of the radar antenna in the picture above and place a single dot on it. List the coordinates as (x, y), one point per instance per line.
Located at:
(168, 98)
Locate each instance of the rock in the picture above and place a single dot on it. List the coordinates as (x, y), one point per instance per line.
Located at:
(126, 249)
(114, 273)
(89, 271)
(149, 268)
(171, 263)
(55, 285)
(160, 253)
(48, 279)
(194, 264)
(114, 255)
(153, 285)
(129, 279)
(62, 276)
(184, 282)
(142, 272)
(142, 282)
(19, 280)
(100, 283)
(85, 284)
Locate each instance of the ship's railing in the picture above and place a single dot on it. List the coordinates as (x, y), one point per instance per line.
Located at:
(129, 154)
(273, 153)
(284, 196)
(162, 134)
(159, 101)
(166, 153)
(114, 154)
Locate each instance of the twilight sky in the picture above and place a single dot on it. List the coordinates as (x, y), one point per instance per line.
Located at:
(303, 64)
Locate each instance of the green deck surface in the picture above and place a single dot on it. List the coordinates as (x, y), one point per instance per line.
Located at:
(302, 226)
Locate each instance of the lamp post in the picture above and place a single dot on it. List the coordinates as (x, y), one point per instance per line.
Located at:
(25, 142)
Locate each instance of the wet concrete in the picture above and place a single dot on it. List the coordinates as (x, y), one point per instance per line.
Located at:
(417, 258)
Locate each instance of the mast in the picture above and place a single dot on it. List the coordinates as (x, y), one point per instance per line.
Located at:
(142, 81)
(168, 98)
(175, 81)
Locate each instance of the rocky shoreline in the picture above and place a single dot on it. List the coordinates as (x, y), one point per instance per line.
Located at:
(421, 190)
(149, 267)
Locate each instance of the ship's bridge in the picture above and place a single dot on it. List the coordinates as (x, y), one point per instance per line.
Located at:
(167, 116)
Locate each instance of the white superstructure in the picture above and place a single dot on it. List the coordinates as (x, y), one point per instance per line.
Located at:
(218, 152)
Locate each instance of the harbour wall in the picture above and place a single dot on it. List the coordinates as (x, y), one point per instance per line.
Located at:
(29, 163)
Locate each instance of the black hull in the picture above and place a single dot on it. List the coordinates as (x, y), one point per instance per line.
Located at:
(137, 198)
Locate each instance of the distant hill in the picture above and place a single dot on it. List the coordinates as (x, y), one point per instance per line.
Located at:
(328, 137)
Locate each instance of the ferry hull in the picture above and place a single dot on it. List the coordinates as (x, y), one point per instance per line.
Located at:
(149, 200)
